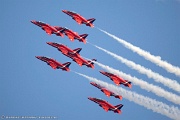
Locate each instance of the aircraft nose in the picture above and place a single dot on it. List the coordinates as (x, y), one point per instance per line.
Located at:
(91, 83)
(64, 11)
(33, 21)
(52, 44)
(101, 72)
(38, 57)
(49, 43)
(90, 98)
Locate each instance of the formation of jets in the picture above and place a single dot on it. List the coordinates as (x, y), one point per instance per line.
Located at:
(76, 57)
(60, 30)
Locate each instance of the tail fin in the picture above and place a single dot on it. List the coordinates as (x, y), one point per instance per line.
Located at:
(91, 20)
(83, 36)
(119, 106)
(128, 83)
(90, 63)
(93, 60)
(77, 50)
(67, 64)
(60, 31)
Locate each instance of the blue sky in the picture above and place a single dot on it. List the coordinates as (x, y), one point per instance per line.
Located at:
(29, 87)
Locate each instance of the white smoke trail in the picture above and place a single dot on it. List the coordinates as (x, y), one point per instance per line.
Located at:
(148, 72)
(149, 103)
(154, 59)
(144, 85)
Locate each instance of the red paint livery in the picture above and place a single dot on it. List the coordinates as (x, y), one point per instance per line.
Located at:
(49, 29)
(107, 106)
(54, 64)
(74, 35)
(79, 19)
(116, 79)
(106, 91)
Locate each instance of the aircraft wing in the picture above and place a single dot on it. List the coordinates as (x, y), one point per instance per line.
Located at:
(106, 108)
(48, 31)
(78, 20)
(71, 37)
(78, 61)
(116, 81)
(64, 51)
(106, 92)
(54, 66)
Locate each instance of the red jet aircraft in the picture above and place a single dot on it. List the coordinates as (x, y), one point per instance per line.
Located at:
(106, 91)
(65, 50)
(54, 64)
(79, 19)
(117, 80)
(49, 29)
(73, 35)
(73, 54)
(107, 106)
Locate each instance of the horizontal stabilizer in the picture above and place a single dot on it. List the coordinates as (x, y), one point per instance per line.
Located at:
(83, 36)
(119, 106)
(127, 82)
(94, 59)
(91, 20)
(67, 64)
